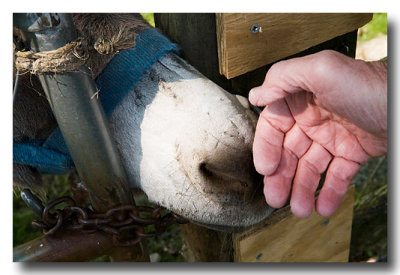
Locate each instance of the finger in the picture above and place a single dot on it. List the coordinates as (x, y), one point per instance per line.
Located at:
(306, 180)
(338, 178)
(267, 147)
(273, 122)
(282, 78)
(277, 186)
(279, 116)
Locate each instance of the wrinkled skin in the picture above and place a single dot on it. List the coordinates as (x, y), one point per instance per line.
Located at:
(324, 111)
(185, 142)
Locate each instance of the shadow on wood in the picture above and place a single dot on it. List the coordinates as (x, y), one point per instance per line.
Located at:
(286, 238)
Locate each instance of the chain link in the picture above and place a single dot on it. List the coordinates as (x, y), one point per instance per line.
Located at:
(127, 224)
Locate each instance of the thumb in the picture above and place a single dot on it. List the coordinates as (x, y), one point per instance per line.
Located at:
(264, 95)
(254, 95)
(283, 78)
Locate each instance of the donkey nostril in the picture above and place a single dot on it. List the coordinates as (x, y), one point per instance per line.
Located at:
(204, 170)
(212, 173)
(226, 182)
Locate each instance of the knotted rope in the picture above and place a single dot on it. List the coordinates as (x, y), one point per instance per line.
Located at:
(71, 56)
(67, 58)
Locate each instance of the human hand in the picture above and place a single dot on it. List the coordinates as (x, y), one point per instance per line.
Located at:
(325, 109)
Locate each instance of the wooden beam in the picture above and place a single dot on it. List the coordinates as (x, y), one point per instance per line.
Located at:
(281, 35)
(286, 238)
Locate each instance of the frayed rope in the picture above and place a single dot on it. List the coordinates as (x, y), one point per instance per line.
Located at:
(71, 56)
(65, 59)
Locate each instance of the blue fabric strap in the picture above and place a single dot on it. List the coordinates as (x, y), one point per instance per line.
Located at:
(125, 70)
(44, 159)
(114, 83)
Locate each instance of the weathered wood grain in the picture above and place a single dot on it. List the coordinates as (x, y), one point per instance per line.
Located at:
(286, 238)
(281, 35)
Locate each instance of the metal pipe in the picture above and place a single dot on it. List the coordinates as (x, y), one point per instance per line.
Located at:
(79, 114)
(64, 246)
(75, 246)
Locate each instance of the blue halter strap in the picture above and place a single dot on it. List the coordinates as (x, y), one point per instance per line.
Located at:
(51, 156)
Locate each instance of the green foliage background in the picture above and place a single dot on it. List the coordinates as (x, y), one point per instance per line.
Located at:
(377, 26)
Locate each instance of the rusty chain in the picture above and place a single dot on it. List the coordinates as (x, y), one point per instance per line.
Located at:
(127, 224)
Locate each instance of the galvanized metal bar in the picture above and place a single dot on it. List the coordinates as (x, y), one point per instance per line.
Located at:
(79, 113)
(64, 246)
(75, 246)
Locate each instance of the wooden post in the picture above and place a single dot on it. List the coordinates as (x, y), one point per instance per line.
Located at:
(283, 237)
(197, 36)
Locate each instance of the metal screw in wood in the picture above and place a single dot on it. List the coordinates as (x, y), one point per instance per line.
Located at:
(255, 28)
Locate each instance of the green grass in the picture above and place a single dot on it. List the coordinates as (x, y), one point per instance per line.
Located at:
(23, 231)
(378, 25)
(369, 229)
(149, 17)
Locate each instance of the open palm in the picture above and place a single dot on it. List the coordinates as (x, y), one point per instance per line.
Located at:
(316, 118)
